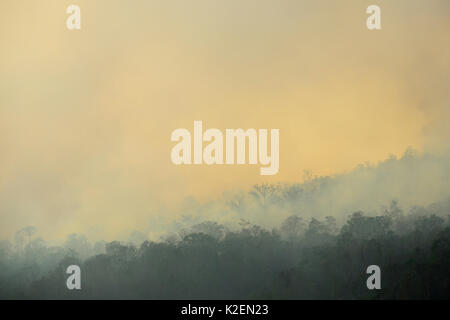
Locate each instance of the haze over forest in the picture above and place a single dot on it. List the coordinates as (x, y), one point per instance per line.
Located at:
(86, 116)
(86, 177)
(312, 253)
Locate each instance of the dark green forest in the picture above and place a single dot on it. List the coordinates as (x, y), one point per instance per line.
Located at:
(313, 259)
(309, 240)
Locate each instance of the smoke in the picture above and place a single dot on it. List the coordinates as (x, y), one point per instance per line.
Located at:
(86, 117)
(412, 181)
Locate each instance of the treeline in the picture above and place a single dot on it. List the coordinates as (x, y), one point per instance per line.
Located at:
(314, 259)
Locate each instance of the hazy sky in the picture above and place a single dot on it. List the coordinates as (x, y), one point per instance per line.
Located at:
(86, 116)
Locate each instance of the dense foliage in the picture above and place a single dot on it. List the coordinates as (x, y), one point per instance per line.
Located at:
(298, 260)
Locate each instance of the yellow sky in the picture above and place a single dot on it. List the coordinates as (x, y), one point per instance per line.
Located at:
(86, 116)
